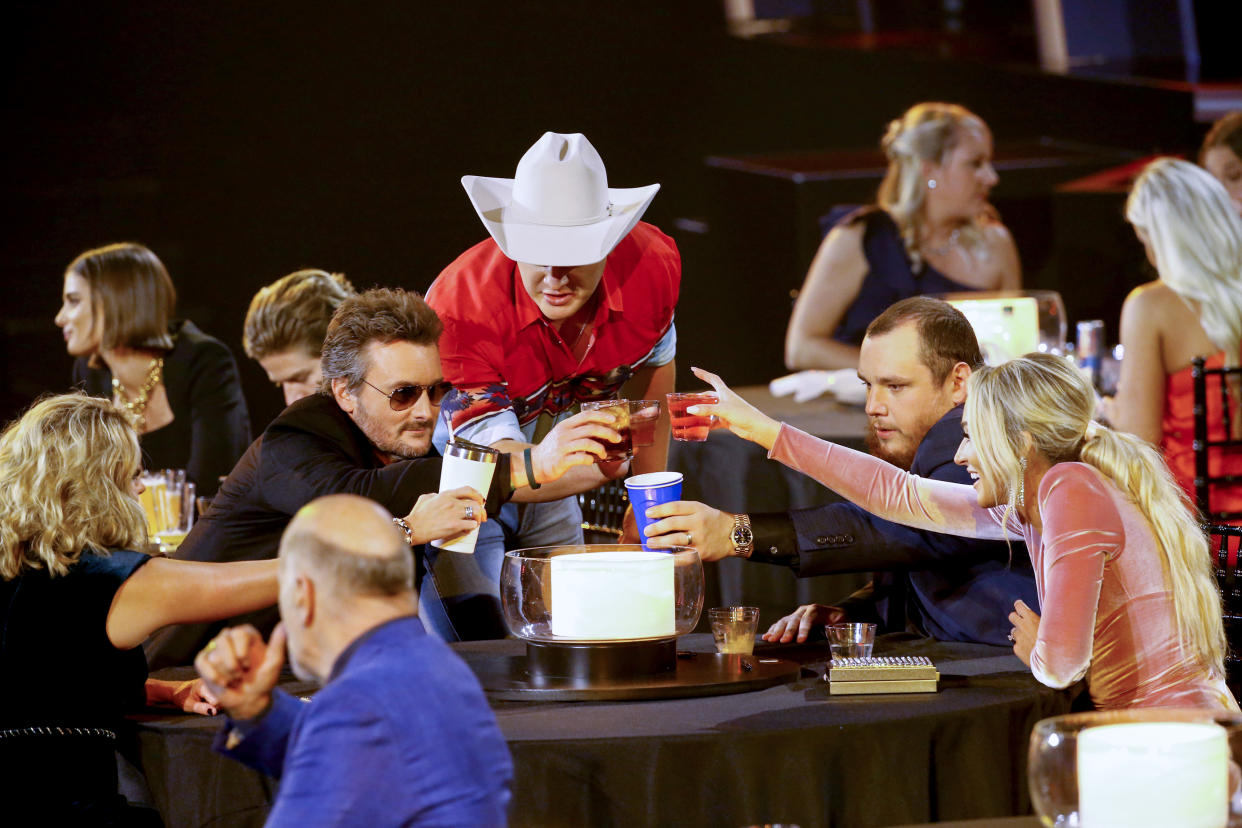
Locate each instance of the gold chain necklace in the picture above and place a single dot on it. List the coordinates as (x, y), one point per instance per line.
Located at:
(137, 407)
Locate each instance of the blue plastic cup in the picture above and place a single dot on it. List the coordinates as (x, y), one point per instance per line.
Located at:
(647, 490)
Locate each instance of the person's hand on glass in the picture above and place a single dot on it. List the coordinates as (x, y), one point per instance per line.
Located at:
(576, 441)
(240, 670)
(799, 623)
(446, 515)
(687, 523)
(734, 413)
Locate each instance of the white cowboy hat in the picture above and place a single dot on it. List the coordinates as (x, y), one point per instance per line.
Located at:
(558, 208)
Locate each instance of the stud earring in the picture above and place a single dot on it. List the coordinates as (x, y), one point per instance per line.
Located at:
(1022, 485)
(931, 183)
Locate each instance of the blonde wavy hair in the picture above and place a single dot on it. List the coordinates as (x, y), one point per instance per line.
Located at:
(66, 467)
(1046, 397)
(926, 132)
(1196, 239)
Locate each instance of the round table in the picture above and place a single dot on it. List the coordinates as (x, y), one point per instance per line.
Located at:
(791, 753)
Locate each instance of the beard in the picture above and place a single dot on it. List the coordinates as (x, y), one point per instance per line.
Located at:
(901, 455)
(392, 446)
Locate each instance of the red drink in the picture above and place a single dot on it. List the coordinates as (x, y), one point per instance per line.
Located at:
(690, 428)
(623, 447)
(643, 417)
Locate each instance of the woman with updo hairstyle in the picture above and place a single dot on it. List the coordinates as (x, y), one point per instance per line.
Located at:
(1122, 568)
(932, 231)
(1193, 237)
(178, 384)
(77, 598)
(1221, 155)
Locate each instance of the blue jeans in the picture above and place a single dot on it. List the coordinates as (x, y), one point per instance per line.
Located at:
(459, 598)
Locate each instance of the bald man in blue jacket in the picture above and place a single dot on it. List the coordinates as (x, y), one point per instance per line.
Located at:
(400, 733)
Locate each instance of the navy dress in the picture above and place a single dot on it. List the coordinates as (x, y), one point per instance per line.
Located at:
(890, 275)
(64, 688)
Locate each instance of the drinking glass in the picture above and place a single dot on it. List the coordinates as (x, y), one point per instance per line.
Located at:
(168, 502)
(851, 640)
(623, 447)
(1137, 768)
(643, 417)
(690, 428)
(734, 628)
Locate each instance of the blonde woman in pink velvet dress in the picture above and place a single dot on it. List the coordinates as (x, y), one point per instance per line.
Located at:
(1121, 566)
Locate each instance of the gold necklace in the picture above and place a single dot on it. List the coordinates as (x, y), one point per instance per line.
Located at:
(137, 407)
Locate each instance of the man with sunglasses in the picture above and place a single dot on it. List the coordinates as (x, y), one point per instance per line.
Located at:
(571, 299)
(368, 432)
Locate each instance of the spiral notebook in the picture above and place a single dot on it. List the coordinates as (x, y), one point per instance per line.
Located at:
(882, 674)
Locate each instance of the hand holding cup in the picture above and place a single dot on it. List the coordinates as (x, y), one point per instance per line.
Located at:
(576, 441)
(733, 412)
(446, 515)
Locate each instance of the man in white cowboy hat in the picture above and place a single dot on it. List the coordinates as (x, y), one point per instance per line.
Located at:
(571, 299)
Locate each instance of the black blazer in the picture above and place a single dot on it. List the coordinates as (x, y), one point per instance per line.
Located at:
(312, 449)
(210, 427)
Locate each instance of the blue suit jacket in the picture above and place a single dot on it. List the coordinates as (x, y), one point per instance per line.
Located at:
(400, 735)
(950, 587)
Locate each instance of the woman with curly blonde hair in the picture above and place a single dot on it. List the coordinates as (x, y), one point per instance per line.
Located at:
(77, 598)
(1121, 566)
(931, 231)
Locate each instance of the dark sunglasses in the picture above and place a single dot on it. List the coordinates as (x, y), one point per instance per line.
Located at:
(402, 398)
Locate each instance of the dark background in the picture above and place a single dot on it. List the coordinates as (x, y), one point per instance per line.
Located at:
(243, 141)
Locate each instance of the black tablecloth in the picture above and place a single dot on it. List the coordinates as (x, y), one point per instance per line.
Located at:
(786, 754)
(729, 473)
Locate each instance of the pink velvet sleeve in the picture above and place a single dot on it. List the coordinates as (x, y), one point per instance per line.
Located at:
(1082, 530)
(888, 492)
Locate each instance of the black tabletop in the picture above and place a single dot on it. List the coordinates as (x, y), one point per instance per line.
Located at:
(788, 754)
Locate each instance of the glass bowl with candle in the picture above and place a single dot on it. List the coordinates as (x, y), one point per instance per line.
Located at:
(601, 593)
(1137, 768)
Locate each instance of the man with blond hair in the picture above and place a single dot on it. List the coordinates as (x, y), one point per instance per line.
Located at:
(286, 325)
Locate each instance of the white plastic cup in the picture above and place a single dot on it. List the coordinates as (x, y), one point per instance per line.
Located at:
(466, 464)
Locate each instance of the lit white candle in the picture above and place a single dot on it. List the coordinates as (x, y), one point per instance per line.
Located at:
(1153, 775)
(601, 596)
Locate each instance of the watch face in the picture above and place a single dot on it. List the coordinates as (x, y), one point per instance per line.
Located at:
(742, 536)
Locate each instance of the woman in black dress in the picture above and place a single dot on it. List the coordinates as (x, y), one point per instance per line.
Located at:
(77, 599)
(180, 385)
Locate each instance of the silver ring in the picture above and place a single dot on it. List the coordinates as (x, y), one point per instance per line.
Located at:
(689, 539)
(1010, 636)
(469, 511)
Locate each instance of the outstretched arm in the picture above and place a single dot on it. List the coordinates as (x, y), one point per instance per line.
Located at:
(165, 591)
(880, 488)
